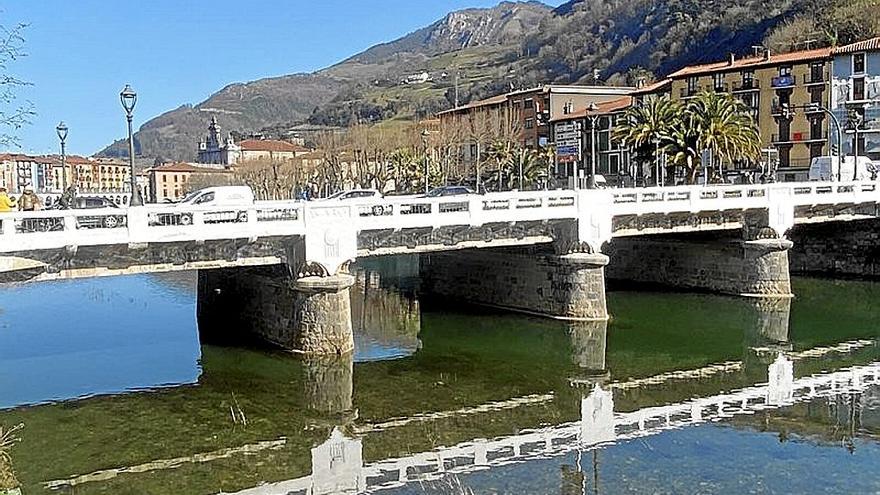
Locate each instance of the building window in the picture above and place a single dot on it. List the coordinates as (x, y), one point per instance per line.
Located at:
(164, 178)
(816, 127)
(528, 103)
(785, 156)
(858, 92)
(816, 150)
(568, 108)
(784, 70)
(817, 72)
(530, 123)
(748, 79)
(692, 85)
(858, 63)
(718, 81)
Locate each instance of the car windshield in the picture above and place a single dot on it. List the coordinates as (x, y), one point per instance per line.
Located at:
(437, 191)
(335, 195)
(191, 196)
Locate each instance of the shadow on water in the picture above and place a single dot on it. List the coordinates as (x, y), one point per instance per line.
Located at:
(423, 376)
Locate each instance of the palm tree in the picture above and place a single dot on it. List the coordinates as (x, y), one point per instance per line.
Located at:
(527, 164)
(649, 126)
(500, 152)
(724, 125)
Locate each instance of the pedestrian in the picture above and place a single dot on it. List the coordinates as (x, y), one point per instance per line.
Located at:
(6, 203)
(29, 201)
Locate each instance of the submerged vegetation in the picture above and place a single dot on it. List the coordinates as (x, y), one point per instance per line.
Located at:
(8, 439)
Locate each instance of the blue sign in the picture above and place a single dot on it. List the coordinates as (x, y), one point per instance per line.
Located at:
(568, 150)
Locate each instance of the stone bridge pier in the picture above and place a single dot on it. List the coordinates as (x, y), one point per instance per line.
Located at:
(308, 315)
(721, 262)
(533, 280)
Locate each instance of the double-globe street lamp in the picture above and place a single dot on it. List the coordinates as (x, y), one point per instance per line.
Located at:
(425, 134)
(62, 136)
(128, 98)
(594, 118)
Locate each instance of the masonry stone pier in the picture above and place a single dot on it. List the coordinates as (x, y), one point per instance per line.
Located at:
(847, 248)
(528, 280)
(308, 315)
(756, 268)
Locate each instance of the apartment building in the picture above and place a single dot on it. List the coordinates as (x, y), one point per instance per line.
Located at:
(855, 96)
(173, 181)
(526, 114)
(769, 84)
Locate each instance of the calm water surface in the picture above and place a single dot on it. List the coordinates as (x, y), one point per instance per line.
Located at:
(118, 395)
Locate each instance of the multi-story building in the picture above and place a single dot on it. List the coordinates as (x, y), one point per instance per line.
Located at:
(172, 181)
(855, 96)
(524, 114)
(20, 171)
(769, 85)
(574, 135)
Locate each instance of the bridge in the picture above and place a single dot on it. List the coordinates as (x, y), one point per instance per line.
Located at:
(540, 252)
(338, 467)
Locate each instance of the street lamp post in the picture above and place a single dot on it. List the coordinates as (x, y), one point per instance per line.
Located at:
(425, 134)
(788, 111)
(128, 98)
(593, 119)
(62, 136)
(855, 122)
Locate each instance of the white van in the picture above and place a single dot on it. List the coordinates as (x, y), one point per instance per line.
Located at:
(220, 196)
(825, 168)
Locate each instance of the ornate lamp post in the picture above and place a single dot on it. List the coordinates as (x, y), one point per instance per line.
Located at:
(425, 134)
(128, 98)
(62, 136)
(854, 122)
(591, 113)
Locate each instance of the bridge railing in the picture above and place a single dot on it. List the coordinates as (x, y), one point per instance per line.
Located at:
(415, 212)
(53, 229)
(714, 198)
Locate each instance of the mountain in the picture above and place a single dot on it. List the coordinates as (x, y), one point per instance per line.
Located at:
(475, 53)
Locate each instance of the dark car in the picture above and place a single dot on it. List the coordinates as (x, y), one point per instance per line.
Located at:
(438, 192)
(94, 222)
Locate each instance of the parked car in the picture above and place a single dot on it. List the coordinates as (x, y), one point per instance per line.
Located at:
(370, 201)
(354, 194)
(827, 168)
(235, 198)
(444, 191)
(94, 203)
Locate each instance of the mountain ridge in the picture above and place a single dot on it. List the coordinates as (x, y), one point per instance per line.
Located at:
(474, 53)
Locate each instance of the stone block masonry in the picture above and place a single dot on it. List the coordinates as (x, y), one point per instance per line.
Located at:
(569, 287)
(850, 248)
(747, 268)
(311, 315)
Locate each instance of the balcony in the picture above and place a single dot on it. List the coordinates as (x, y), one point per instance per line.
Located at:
(743, 86)
(799, 137)
(690, 93)
(721, 88)
(783, 82)
(814, 79)
(777, 109)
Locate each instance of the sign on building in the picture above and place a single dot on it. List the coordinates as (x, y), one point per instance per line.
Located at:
(568, 141)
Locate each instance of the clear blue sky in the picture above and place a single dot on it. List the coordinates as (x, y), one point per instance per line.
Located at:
(81, 53)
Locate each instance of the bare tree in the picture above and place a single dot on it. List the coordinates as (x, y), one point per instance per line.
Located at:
(12, 115)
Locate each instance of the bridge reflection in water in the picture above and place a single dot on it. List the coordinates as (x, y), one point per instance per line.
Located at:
(486, 386)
